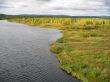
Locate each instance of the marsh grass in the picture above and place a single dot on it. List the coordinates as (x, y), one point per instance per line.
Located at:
(84, 49)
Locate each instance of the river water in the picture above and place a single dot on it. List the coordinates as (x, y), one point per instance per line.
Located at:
(25, 54)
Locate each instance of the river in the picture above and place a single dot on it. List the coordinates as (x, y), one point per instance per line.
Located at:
(25, 54)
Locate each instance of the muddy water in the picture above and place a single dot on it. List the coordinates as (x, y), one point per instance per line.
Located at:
(25, 54)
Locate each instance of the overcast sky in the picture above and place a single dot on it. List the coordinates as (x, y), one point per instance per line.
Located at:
(56, 7)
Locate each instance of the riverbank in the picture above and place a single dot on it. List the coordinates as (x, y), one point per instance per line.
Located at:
(83, 51)
(25, 55)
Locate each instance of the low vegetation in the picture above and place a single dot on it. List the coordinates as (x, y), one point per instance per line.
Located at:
(84, 49)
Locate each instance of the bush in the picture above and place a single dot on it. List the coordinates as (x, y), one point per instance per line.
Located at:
(56, 48)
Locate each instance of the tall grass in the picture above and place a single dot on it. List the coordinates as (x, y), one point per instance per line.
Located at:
(63, 22)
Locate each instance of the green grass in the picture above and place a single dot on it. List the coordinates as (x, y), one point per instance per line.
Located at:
(84, 49)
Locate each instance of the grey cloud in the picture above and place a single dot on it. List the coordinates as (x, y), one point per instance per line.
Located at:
(41, 2)
(65, 7)
(107, 2)
(3, 7)
(45, 0)
(61, 8)
(2, 2)
(24, 5)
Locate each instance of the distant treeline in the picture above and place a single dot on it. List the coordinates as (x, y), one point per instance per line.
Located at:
(3, 16)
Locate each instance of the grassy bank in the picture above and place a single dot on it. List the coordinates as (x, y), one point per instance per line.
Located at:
(84, 49)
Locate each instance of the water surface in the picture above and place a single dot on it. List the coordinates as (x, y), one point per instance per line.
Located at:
(25, 54)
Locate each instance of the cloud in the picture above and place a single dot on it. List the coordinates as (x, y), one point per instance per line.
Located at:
(107, 3)
(64, 7)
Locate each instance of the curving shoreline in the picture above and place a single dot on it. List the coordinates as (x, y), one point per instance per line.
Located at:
(25, 54)
(80, 48)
